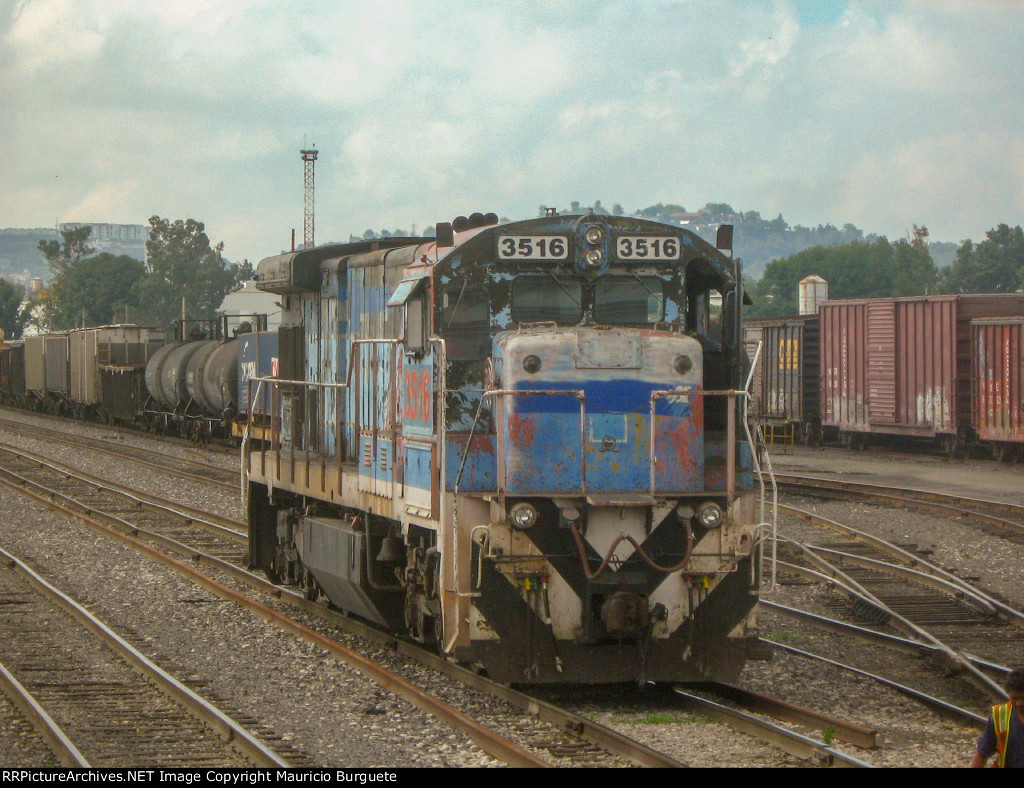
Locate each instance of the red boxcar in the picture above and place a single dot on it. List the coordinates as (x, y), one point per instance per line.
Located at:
(997, 346)
(903, 366)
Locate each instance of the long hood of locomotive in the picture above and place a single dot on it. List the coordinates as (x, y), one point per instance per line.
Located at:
(601, 410)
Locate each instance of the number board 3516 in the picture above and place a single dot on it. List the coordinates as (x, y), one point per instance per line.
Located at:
(533, 247)
(647, 247)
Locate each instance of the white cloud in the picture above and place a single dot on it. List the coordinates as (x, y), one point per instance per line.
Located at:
(423, 109)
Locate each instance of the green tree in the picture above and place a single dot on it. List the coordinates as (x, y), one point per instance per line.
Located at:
(181, 265)
(996, 265)
(10, 299)
(63, 257)
(96, 290)
(243, 271)
(65, 254)
(872, 269)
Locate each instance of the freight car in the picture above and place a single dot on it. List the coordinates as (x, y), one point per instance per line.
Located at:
(785, 384)
(128, 374)
(525, 442)
(906, 367)
(194, 382)
(997, 408)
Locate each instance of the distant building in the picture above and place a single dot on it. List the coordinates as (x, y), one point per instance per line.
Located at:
(126, 239)
(20, 259)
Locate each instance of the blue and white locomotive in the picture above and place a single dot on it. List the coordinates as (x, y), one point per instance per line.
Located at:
(523, 441)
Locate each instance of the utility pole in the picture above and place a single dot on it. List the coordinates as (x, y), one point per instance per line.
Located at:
(309, 158)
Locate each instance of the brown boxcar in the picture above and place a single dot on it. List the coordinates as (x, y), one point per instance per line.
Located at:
(997, 346)
(903, 366)
(785, 387)
(92, 349)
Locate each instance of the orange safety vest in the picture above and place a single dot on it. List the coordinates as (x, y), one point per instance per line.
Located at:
(1001, 716)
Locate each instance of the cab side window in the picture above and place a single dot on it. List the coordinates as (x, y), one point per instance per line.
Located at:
(466, 324)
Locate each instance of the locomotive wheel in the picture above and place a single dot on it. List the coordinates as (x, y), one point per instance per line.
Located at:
(438, 633)
(272, 571)
(310, 588)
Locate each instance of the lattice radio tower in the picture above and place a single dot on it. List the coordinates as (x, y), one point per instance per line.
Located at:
(309, 158)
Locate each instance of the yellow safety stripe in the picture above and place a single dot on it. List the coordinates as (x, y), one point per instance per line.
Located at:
(1001, 720)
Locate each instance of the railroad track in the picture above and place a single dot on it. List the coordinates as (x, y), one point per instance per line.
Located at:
(996, 517)
(183, 534)
(99, 701)
(897, 587)
(198, 471)
(187, 533)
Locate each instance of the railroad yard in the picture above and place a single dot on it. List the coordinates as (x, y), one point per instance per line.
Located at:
(311, 703)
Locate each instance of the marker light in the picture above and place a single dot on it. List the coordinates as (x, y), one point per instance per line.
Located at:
(683, 364)
(531, 364)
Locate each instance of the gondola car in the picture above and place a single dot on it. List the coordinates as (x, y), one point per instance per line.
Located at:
(525, 442)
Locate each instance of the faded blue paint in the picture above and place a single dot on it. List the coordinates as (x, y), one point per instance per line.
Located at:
(480, 472)
(544, 454)
(418, 467)
(623, 395)
(257, 358)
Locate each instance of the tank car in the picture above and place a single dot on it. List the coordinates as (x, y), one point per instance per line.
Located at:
(525, 442)
(193, 383)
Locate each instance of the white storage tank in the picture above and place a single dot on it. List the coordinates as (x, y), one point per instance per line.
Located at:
(813, 291)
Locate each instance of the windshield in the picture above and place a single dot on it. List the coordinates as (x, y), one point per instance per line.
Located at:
(466, 325)
(536, 299)
(625, 300)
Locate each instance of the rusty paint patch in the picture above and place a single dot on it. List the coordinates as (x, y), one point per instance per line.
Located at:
(521, 431)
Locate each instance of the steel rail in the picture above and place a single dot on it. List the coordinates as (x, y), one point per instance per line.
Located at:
(795, 744)
(42, 433)
(224, 526)
(947, 710)
(977, 600)
(225, 727)
(572, 724)
(1015, 617)
(843, 730)
(487, 740)
(956, 660)
(925, 499)
(996, 672)
(33, 711)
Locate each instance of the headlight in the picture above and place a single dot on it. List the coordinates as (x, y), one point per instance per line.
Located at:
(593, 258)
(523, 516)
(594, 235)
(710, 514)
(683, 364)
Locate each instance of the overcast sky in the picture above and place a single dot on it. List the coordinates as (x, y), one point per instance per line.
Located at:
(883, 114)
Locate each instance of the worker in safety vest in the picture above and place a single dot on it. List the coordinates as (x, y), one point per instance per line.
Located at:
(1004, 734)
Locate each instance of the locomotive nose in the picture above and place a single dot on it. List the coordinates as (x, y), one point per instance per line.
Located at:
(613, 411)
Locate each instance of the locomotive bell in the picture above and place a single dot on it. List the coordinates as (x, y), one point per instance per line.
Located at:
(392, 551)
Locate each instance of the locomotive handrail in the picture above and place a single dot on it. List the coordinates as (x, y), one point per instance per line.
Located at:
(757, 467)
